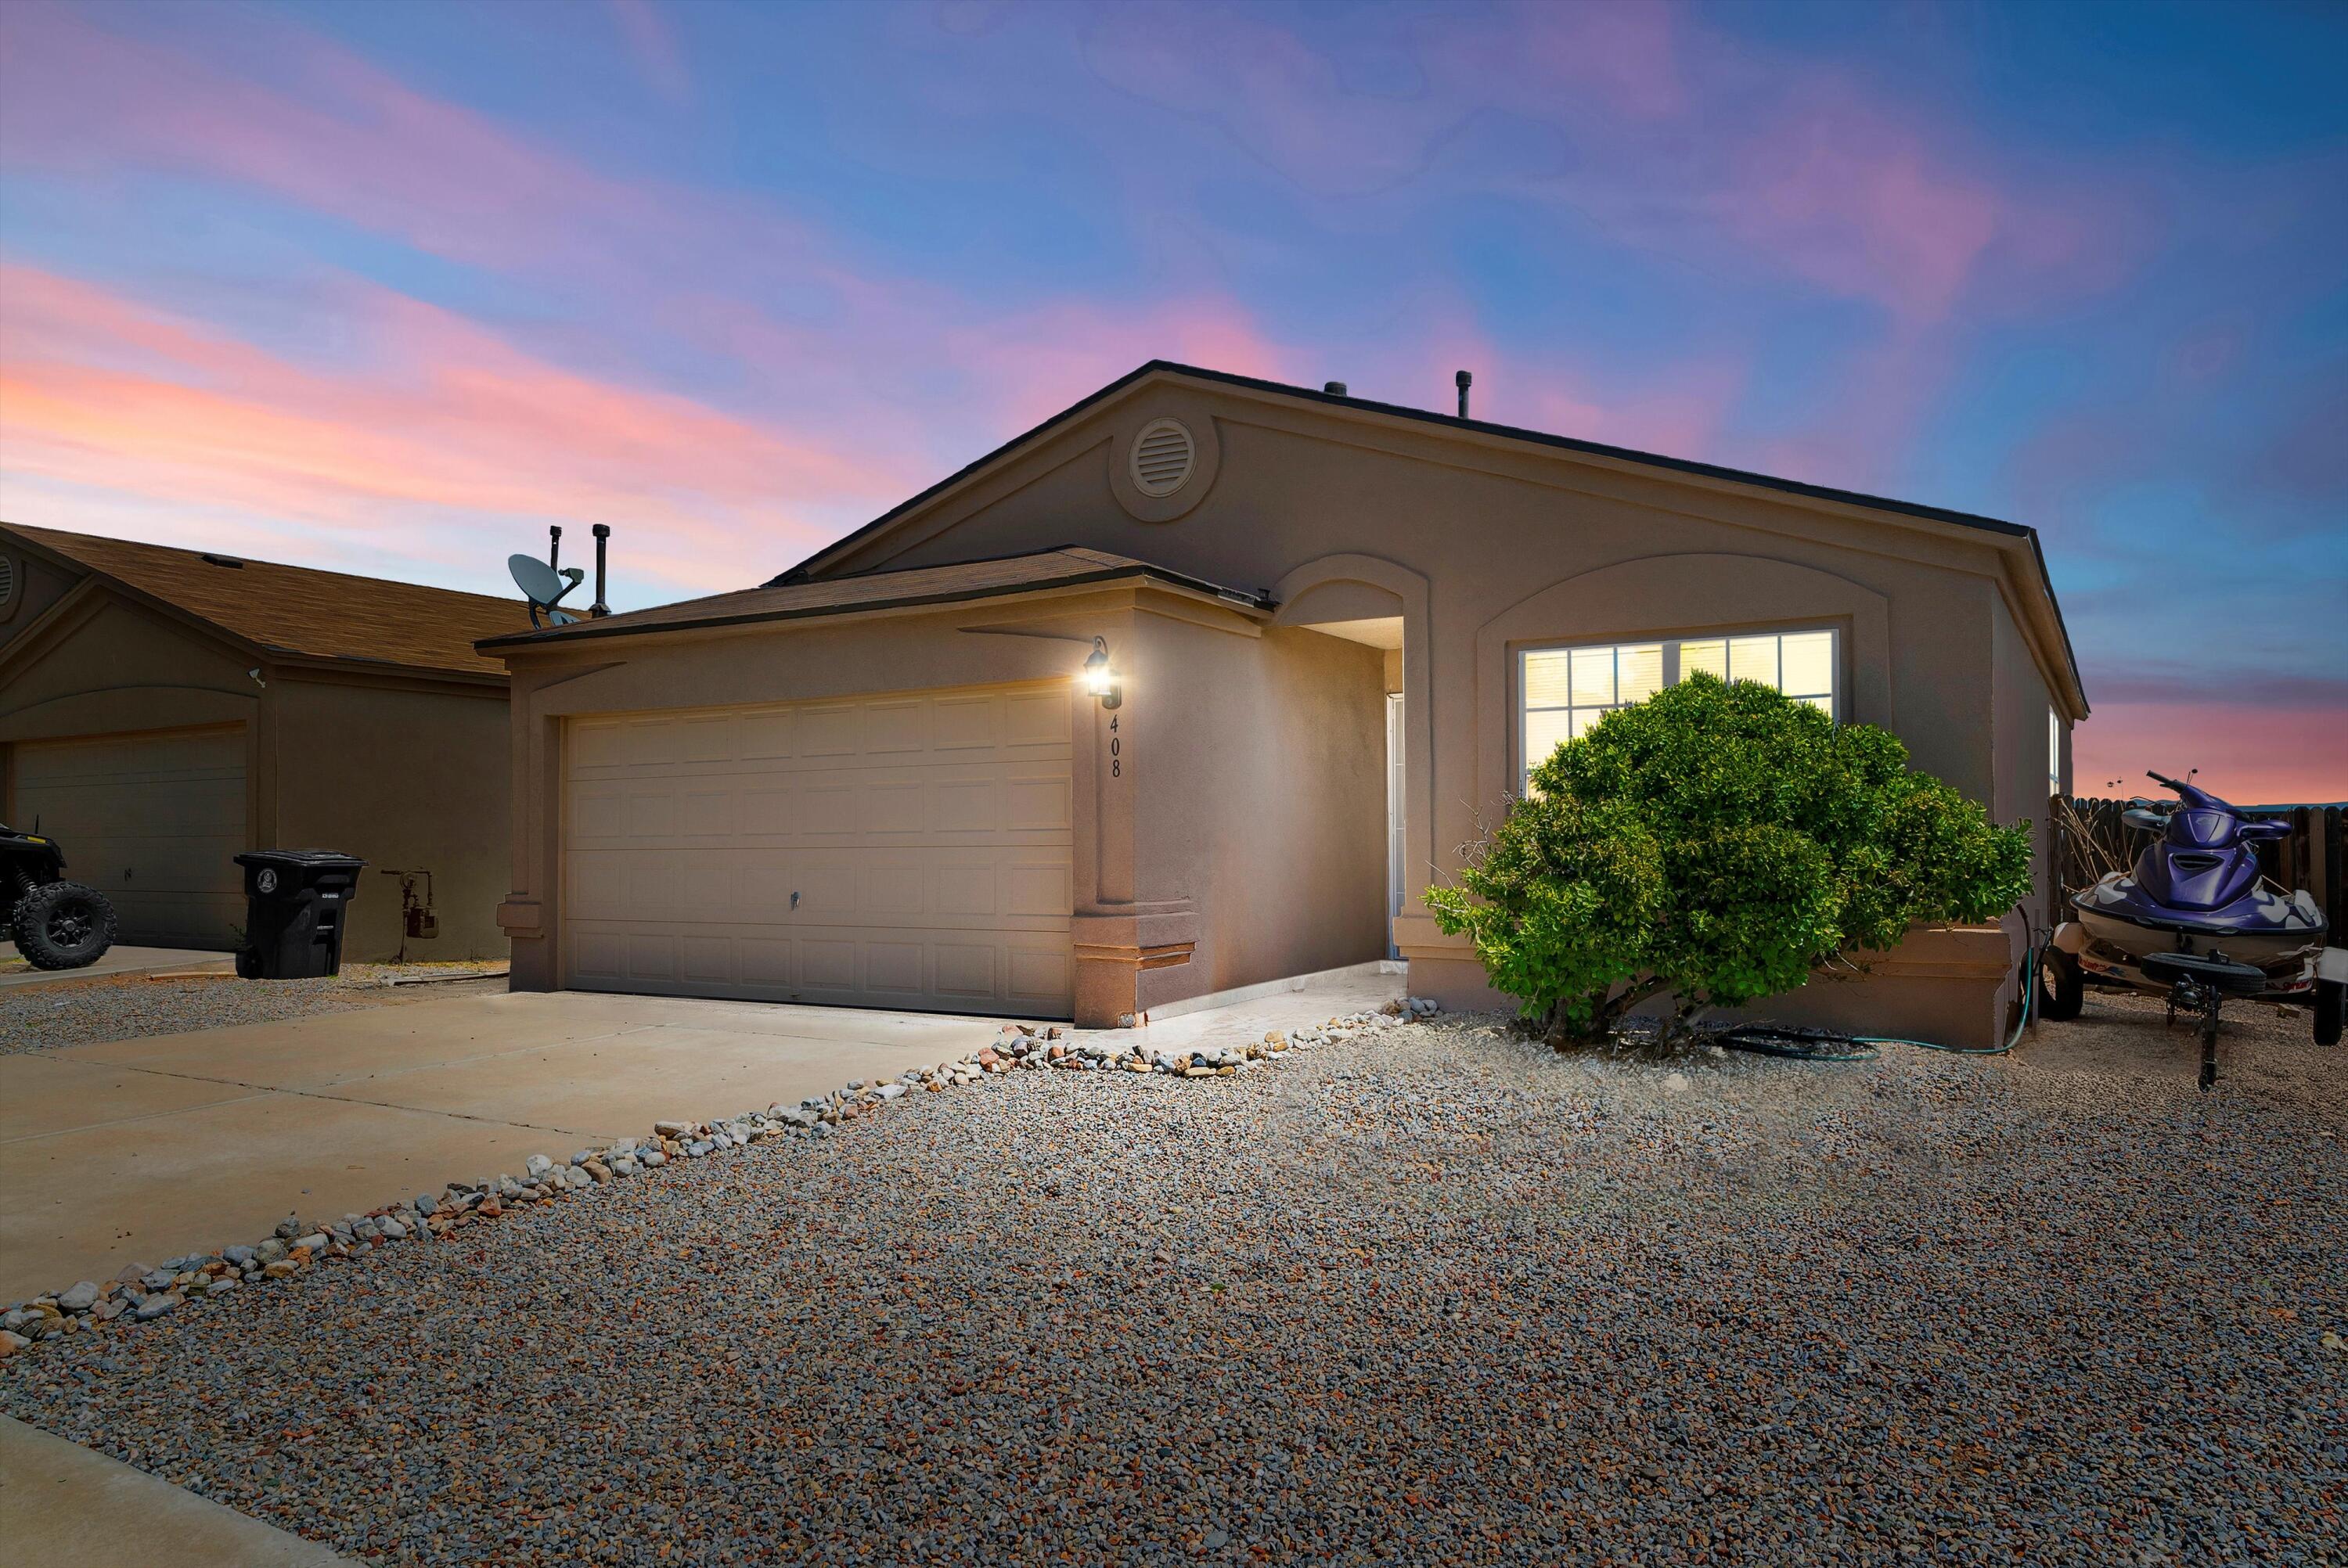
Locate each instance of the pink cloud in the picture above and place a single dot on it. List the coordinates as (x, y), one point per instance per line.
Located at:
(1037, 362)
(1849, 197)
(888, 380)
(1859, 432)
(1676, 409)
(1627, 55)
(331, 132)
(1279, 98)
(2252, 755)
(423, 411)
(653, 44)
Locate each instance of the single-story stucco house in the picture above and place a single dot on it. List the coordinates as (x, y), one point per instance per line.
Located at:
(1335, 632)
(161, 709)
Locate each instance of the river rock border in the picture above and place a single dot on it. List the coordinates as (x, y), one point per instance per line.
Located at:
(140, 1293)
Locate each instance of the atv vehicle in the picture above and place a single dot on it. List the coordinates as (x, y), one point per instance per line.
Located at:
(56, 924)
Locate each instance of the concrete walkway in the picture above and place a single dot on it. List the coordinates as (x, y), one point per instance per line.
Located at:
(116, 963)
(146, 1149)
(1291, 1004)
(66, 1506)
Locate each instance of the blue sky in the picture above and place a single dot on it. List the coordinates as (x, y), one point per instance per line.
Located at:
(389, 288)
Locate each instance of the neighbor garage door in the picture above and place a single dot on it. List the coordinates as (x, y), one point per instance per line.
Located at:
(152, 821)
(907, 851)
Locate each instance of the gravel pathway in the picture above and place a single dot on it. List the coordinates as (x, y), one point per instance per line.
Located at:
(131, 1007)
(1431, 1296)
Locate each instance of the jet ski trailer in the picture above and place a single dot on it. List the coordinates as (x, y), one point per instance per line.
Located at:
(2195, 920)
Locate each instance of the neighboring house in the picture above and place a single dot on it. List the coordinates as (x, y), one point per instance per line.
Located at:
(161, 709)
(1339, 631)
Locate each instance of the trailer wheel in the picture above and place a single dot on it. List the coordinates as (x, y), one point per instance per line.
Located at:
(2328, 997)
(2062, 986)
(62, 925)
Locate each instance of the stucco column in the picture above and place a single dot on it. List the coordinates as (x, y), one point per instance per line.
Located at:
(525, 917)
(1120, 929)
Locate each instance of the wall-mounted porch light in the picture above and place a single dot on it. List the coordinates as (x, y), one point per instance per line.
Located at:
(1100, 679)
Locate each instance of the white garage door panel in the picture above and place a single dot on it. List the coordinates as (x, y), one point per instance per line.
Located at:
(152, 821)
(925, 837)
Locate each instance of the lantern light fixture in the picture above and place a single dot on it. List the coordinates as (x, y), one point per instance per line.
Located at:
(1100, 679)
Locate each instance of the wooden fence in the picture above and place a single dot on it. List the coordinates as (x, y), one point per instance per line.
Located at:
(2090, 840)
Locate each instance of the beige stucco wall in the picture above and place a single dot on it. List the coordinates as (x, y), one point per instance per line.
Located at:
(105, 667)
(903, 651)
(1262, 802)
(111, 667)
(1247, 789)
(409, 779)
(1517, 548)
(399, 770)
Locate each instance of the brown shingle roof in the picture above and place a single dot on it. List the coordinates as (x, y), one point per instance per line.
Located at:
(1067, 567)
(301, 610)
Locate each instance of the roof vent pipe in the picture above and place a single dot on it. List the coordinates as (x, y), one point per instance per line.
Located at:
(599, 609)
(1463, 381)
(1333, 388)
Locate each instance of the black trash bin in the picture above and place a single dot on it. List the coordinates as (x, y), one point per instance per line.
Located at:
(295, 901)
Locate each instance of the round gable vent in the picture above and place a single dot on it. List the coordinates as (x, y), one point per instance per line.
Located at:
(1163, 456)
(7, 582)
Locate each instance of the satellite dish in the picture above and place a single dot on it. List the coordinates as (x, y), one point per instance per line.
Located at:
(539, 583)
(544, 583)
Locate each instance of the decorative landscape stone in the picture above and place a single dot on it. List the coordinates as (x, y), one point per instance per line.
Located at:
(140, 1295)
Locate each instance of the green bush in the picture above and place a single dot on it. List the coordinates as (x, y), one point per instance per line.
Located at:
(1719, 843)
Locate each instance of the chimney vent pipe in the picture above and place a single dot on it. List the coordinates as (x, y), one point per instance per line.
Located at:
(602, 532)
(1463, 381)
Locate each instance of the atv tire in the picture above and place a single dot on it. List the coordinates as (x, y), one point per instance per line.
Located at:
(2328, 995)
(2062, 986)
(62, 925)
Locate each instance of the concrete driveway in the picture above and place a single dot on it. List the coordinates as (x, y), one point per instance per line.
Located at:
(148, 1149)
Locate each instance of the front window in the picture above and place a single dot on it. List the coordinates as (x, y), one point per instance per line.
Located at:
(1564, 690)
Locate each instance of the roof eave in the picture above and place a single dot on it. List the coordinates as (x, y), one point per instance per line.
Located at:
(563, 637)
(2014, 533)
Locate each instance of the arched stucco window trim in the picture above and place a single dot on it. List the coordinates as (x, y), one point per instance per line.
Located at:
(1417, 690)
(1663, 596)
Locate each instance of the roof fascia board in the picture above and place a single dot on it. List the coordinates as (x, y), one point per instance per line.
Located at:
(243, 645)
(2020, 565)
(1219, 615)
(325, 671)
(969, 473)
(94, 589)
(2013, 538)
(1448, 430)
(1048, 606)
(2042, 630)
(571, 637)
(141, 597)
(1007, 611)
(1393, 416)
(84, 600)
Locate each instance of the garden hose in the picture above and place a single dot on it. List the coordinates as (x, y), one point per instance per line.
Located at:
(1798, 1044)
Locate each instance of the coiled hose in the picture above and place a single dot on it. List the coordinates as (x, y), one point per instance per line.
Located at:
(1802, 1044)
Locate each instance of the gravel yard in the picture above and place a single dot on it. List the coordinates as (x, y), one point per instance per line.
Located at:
(1434, 1295)
(80, 1012)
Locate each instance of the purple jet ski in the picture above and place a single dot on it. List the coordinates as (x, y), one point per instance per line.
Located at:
(2195, 920)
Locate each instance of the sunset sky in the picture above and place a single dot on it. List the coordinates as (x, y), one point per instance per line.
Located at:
(389, 288)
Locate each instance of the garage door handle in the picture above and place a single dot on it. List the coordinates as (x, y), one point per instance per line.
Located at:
(795, 898)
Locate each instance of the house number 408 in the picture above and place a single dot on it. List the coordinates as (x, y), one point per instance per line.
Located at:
(1115, 747)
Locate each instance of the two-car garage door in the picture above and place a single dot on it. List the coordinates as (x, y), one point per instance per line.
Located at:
(907, 851)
